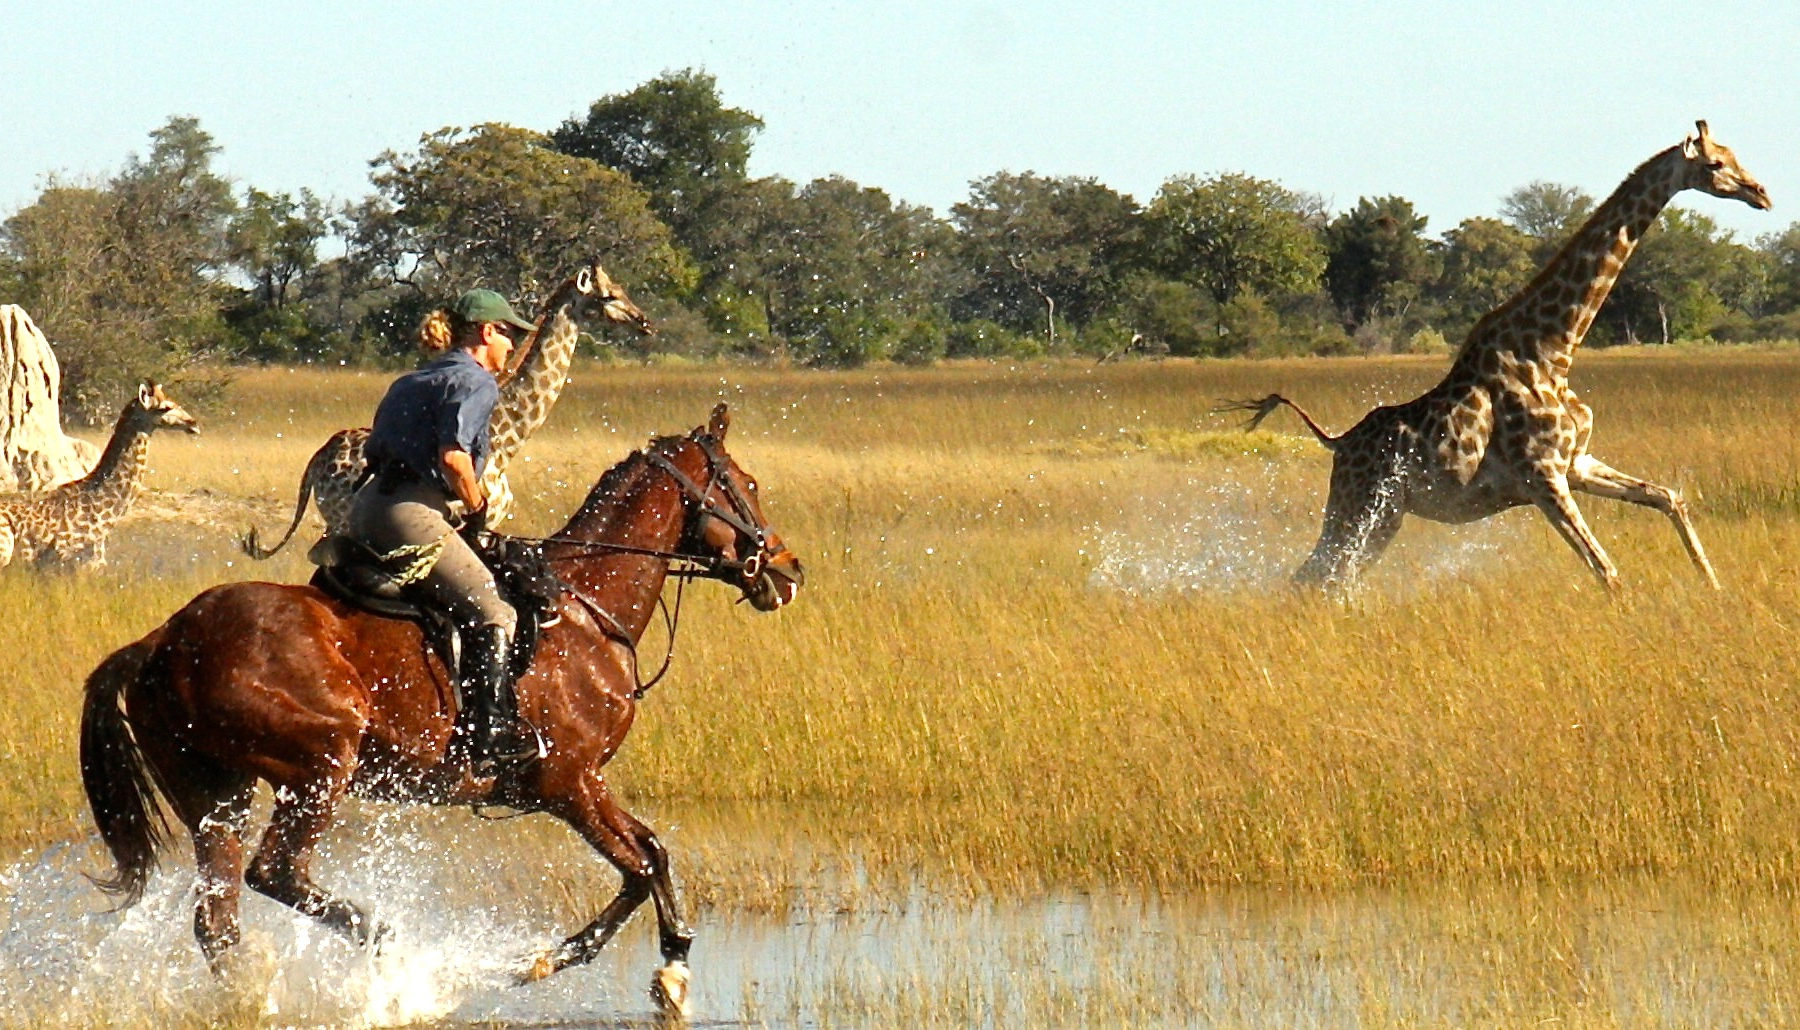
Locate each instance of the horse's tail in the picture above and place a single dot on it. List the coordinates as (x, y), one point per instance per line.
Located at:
(314, 469)
(1263, 408)
(119, 789)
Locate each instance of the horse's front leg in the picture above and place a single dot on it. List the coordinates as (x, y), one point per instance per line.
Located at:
(634, 850)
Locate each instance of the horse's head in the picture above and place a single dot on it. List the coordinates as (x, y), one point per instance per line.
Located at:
(153, 409)
(599, 292)
(724, 519)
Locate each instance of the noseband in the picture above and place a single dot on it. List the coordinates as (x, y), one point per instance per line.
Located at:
(699, 501)
(740, 516)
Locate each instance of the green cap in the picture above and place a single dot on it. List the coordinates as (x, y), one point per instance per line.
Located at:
(488, 306)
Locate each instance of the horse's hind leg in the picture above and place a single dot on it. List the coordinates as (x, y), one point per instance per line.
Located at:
(284, 858)
(215, 816)
(213, 802)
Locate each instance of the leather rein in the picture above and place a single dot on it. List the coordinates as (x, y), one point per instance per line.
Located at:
(691, 565)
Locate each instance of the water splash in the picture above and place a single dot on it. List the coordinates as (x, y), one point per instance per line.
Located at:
(1213, 537)
(1236, 535)
(65, 958)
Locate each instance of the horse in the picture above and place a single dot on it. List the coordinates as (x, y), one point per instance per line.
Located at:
(285, 684)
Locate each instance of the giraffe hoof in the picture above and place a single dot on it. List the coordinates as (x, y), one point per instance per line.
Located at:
(669, 989)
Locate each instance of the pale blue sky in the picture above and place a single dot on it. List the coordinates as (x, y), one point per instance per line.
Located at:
(1450, 105)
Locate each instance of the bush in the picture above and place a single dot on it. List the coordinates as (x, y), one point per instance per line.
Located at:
(980, 338)
(921, 342)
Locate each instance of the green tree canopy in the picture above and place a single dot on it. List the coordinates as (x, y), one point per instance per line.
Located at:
(1039, 247)
(1484, 262)
(1548, 212)
(496, 206)
(1234, 233)
(844, 268)
(674, 136)
(124, 276)
(1683, 278)
(1377, 261)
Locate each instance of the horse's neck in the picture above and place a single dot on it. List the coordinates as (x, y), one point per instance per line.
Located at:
(645, 515)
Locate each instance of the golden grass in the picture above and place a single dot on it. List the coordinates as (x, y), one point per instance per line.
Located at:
(1044, 640)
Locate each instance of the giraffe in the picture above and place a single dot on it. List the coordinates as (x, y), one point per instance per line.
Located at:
(539, 372)
(1503, 428)
(68, 526)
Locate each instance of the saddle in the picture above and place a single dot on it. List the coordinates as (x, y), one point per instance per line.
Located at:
(354, 573)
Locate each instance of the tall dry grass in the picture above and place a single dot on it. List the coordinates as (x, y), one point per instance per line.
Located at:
(1045, 639)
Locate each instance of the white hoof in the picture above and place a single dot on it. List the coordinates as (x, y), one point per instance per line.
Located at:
(669, 989)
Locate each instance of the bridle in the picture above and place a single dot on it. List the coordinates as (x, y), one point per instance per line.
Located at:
(686, 561)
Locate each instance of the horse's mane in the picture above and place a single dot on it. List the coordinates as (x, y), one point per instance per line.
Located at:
(612, 482)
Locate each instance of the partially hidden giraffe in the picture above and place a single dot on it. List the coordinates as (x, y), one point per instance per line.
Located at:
(1503, 428)
(528, 390)
(67, 526)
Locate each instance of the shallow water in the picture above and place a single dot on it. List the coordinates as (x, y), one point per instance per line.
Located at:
(470, 905)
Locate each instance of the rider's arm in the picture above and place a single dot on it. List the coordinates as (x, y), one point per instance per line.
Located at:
(459, 472)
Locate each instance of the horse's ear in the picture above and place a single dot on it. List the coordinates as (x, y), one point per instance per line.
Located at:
(719, 422)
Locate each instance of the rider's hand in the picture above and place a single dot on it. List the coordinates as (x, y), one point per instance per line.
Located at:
(474, 524)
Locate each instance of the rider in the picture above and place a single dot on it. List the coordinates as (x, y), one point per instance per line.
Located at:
(426, 452)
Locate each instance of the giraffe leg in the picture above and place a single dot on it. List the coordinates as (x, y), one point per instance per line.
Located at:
(1590, 475)
(1361, 518)
(1559, 506)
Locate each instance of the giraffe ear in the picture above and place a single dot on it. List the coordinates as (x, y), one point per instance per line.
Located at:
(584, 280)
(147, 393)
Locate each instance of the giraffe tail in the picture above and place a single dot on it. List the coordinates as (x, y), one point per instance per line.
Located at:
(1261, 409)
(249, 541)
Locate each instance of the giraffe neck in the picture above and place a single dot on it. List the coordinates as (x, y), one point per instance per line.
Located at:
(119, 474)
(1544, 323)
(537, 380)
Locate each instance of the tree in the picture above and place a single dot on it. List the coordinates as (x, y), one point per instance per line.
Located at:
(124, 275)
(1686, 274)
(845, 270)
(1233, 233)
(1376, 260)
(495, 206)
(1782, 258)
(1484, 262)
(674, 137)
(1038, 247)
(1548, 212)
(274, 241)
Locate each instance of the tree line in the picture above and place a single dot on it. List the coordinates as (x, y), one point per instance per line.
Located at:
(166, 265)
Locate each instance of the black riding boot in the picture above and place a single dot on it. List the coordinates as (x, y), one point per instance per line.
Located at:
(497, 735)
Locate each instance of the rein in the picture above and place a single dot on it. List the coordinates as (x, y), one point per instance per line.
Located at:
(683, 566)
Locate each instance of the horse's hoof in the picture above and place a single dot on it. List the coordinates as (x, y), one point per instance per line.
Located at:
(669, 989)
(540, 967)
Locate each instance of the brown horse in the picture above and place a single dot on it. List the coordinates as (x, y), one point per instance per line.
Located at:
(280, 683)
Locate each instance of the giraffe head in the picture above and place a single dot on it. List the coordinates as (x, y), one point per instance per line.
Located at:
(153, 409)
(610, 299)
(1713, 168)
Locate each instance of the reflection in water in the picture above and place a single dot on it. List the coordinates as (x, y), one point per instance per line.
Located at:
(468, 913)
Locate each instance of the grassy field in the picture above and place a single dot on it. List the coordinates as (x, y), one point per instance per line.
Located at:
(1045, 639)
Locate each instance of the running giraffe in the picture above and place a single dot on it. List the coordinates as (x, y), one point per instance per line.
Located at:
(1503, 428)
(539, 373)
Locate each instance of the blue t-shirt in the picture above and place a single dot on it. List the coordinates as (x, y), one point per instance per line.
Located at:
(446, 403)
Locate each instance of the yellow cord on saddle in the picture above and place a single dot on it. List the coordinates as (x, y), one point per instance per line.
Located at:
(410, 563)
